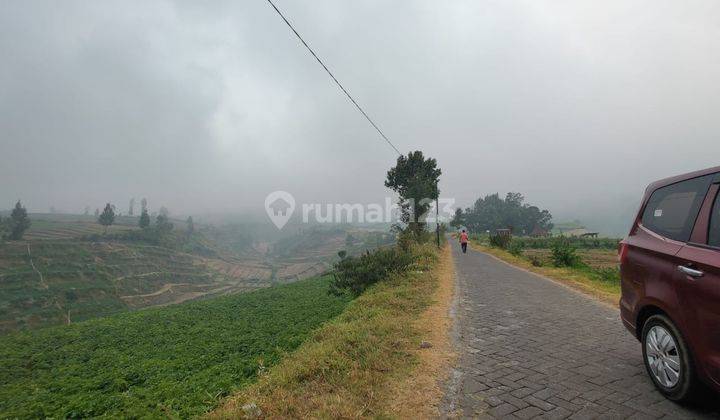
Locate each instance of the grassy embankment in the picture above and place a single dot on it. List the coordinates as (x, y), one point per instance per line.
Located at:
(368, 361)
(178, 361)
(596, 275)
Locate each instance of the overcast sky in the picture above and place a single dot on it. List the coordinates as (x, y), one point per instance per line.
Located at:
(209, 106)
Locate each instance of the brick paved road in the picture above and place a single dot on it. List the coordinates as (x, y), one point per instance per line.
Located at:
(532, 348)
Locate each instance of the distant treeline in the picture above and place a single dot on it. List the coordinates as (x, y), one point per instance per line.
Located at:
(492, 212)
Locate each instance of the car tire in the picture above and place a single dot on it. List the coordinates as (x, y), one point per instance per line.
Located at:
(665, 356)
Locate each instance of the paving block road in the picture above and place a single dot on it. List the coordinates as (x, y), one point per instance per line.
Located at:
(532, 348)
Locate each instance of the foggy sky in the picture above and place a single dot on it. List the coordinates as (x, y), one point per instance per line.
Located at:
(206, 107)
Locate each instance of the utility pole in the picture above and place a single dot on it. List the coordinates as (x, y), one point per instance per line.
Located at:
(437, 212)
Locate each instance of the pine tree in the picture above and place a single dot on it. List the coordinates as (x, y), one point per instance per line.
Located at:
(131, 210)
(144, 219)
(190, 226)
(107, 217)
(19, 222)
(163, 223)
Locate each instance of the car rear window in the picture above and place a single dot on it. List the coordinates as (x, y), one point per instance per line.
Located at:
(714, 234)
(672, 210)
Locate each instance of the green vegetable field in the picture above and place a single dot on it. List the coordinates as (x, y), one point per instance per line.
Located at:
(176, 361)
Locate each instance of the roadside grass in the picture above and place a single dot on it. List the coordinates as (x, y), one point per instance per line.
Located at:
(603, 283)
(366, 361)
(178, 361)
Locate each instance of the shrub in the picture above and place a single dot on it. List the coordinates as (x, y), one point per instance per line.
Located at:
(515, 248)
(563, 253)
(500, 241)
(355, 274)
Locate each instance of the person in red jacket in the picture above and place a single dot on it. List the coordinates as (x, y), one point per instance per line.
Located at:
(464, 241)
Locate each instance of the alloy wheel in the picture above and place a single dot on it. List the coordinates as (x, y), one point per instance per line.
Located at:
(662, 356)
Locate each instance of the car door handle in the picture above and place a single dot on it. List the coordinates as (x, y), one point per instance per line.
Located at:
(690, 271)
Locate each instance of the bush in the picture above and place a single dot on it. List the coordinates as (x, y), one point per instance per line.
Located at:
(563, 253)
(535, 261)
(515, 248)
(500, 241)
(355, 274)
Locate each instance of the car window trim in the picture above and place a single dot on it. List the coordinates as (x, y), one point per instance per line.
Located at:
(704, 193)
(703, 246)
(715, 201)
(700, 233)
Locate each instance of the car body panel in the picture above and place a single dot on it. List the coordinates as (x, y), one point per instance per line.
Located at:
(652, 280)
(700, 300)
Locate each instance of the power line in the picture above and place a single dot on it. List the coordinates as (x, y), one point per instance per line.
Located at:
(362, 111)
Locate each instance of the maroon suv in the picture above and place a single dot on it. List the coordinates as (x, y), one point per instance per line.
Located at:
(670, 269)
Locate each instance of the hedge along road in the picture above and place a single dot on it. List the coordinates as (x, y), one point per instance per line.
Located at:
(532, 348)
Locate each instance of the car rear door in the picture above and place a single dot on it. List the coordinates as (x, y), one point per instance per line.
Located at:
(666, 223)
(699, 284)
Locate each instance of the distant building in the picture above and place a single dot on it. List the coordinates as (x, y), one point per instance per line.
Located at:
(539, 232)
(580, 232)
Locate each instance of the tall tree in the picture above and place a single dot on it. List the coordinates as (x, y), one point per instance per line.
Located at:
(190, 225)
(19, 222)
(107, 218)
(415, 179)
(87, 211)
(131, 209)
(97, 212)
(163, 223)
(143, 204)
(458, 219)
(144, 219)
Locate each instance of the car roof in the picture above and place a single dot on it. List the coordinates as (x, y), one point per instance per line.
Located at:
(677, 178)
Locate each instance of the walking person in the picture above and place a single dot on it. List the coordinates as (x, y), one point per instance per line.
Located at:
(464, 241)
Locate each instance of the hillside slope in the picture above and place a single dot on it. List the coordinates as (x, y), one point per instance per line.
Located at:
(62, 281)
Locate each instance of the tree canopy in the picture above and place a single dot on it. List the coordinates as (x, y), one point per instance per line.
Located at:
(492, 212)
(18, 222)
(144, 221)
(162, 223)
(107, 217)
(415, 179)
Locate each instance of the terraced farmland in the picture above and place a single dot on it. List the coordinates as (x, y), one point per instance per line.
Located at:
(70, 230)
(50, 282)
(59, 276)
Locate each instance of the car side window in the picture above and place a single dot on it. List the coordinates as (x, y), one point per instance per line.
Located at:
(714, 234)
(672, 210)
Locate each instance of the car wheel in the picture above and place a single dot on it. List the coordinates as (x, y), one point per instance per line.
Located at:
(667, 359)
